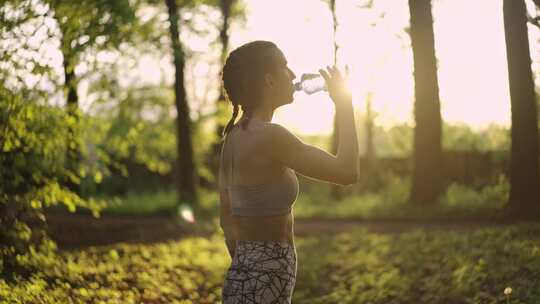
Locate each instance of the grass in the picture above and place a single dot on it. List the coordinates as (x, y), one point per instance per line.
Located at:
(142, 203)
(458, 202)
(353, 267)
(423, 267)
(161, 202)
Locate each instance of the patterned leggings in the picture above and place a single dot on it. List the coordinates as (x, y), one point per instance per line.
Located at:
(262, 272)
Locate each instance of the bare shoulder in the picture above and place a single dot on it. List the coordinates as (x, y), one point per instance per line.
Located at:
(279, 144)
(276, 136)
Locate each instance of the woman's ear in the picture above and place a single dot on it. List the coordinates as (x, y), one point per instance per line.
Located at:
(269, 80)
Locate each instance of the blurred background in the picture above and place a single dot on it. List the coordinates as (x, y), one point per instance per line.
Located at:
(113, 110)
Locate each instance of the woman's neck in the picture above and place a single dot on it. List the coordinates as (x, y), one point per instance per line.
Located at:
(264, 115)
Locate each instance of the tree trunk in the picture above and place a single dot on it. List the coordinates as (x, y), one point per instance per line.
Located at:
(337, 190)
(370, 180)
(73, 151)
(524, 176)
(370, 147)
(213, 156)
(335, 135)
(427, 160)
(185, 166)
(225, 6)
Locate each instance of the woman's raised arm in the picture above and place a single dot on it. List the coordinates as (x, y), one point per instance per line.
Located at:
(310, 161)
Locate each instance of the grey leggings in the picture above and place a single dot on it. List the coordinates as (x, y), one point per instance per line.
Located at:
(262, 272)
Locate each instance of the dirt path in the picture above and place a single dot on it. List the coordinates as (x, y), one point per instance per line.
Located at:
(304, 227)
(80, 230)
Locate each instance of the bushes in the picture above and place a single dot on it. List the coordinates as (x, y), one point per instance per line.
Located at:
(188, 271)
(422, 267)
(458, 202)
(33, 140)
(354, 267)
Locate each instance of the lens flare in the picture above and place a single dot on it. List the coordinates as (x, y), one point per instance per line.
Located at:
(186, 213)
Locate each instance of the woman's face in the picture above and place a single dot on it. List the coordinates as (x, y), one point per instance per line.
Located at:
(280, 84)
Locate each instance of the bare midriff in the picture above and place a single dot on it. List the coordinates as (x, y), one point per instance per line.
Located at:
(264, 228)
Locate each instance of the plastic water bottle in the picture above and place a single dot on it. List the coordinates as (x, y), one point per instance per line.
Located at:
(310, 84)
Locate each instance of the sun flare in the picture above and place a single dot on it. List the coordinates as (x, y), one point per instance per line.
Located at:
(374, 43)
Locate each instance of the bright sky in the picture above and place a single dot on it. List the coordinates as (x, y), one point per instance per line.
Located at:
(470, 47)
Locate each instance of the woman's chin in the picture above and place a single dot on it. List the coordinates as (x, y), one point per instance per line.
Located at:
(291, 98)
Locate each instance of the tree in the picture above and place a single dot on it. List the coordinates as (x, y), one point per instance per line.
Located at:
(82, 26)
(225, 7)
(226, 11)
(524, 200)
(335, 135)
(96, 23)
(185, 166)
(31, 171)
(427, 150)
(334, 140)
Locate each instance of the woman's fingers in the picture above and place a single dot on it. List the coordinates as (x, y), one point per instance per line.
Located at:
(325, 75)
(338, 72)
(332, 73)
(333, 70)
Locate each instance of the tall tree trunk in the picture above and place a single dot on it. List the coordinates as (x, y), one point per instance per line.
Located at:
(225, 6)
(370, 147)
(213, 156)
(427, 154)
(524, 201)
(337, 190)
(370, 180)
(73, 151)
(185, 166)
(335, 134)
(369, 177)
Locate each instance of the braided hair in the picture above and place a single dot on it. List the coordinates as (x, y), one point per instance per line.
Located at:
(243, 77)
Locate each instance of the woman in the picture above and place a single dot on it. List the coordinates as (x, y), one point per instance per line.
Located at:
(257, 180)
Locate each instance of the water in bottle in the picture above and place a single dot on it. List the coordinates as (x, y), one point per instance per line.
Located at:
(311, 83)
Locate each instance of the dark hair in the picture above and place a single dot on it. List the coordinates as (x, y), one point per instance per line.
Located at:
(243, 76)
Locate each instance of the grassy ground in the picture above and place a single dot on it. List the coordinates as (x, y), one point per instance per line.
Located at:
(458, 202)
(350, 267)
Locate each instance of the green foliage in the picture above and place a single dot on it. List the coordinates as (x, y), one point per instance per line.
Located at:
(33, 143)
(463, 137)
(422, 267)
(188, 271)
(492, 197)
(136, 126)
(458, 202)
(353, 267)
(162, 202)
(142, 203)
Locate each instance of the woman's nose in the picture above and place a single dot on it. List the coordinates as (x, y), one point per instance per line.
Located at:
(293, 75)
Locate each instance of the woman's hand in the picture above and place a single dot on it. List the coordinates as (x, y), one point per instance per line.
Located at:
(337, 86)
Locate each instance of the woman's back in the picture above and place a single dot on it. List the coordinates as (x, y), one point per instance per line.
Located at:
(260, 191)
(244, 162)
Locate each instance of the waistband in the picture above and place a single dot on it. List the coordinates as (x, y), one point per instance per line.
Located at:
(282, 244)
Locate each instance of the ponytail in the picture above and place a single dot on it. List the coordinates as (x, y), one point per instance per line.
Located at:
(231, 122)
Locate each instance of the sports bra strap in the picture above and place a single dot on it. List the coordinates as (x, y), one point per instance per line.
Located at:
(232, 162)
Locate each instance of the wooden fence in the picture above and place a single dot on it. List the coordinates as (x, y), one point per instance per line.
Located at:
(465, 167)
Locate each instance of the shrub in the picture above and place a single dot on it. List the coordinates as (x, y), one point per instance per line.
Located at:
(33, 146)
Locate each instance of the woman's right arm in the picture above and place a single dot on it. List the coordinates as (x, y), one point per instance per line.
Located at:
(310, 161)
(225, 215)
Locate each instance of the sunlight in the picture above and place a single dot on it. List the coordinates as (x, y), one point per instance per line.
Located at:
(471, 57)
(373, 42)
(302, 22)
